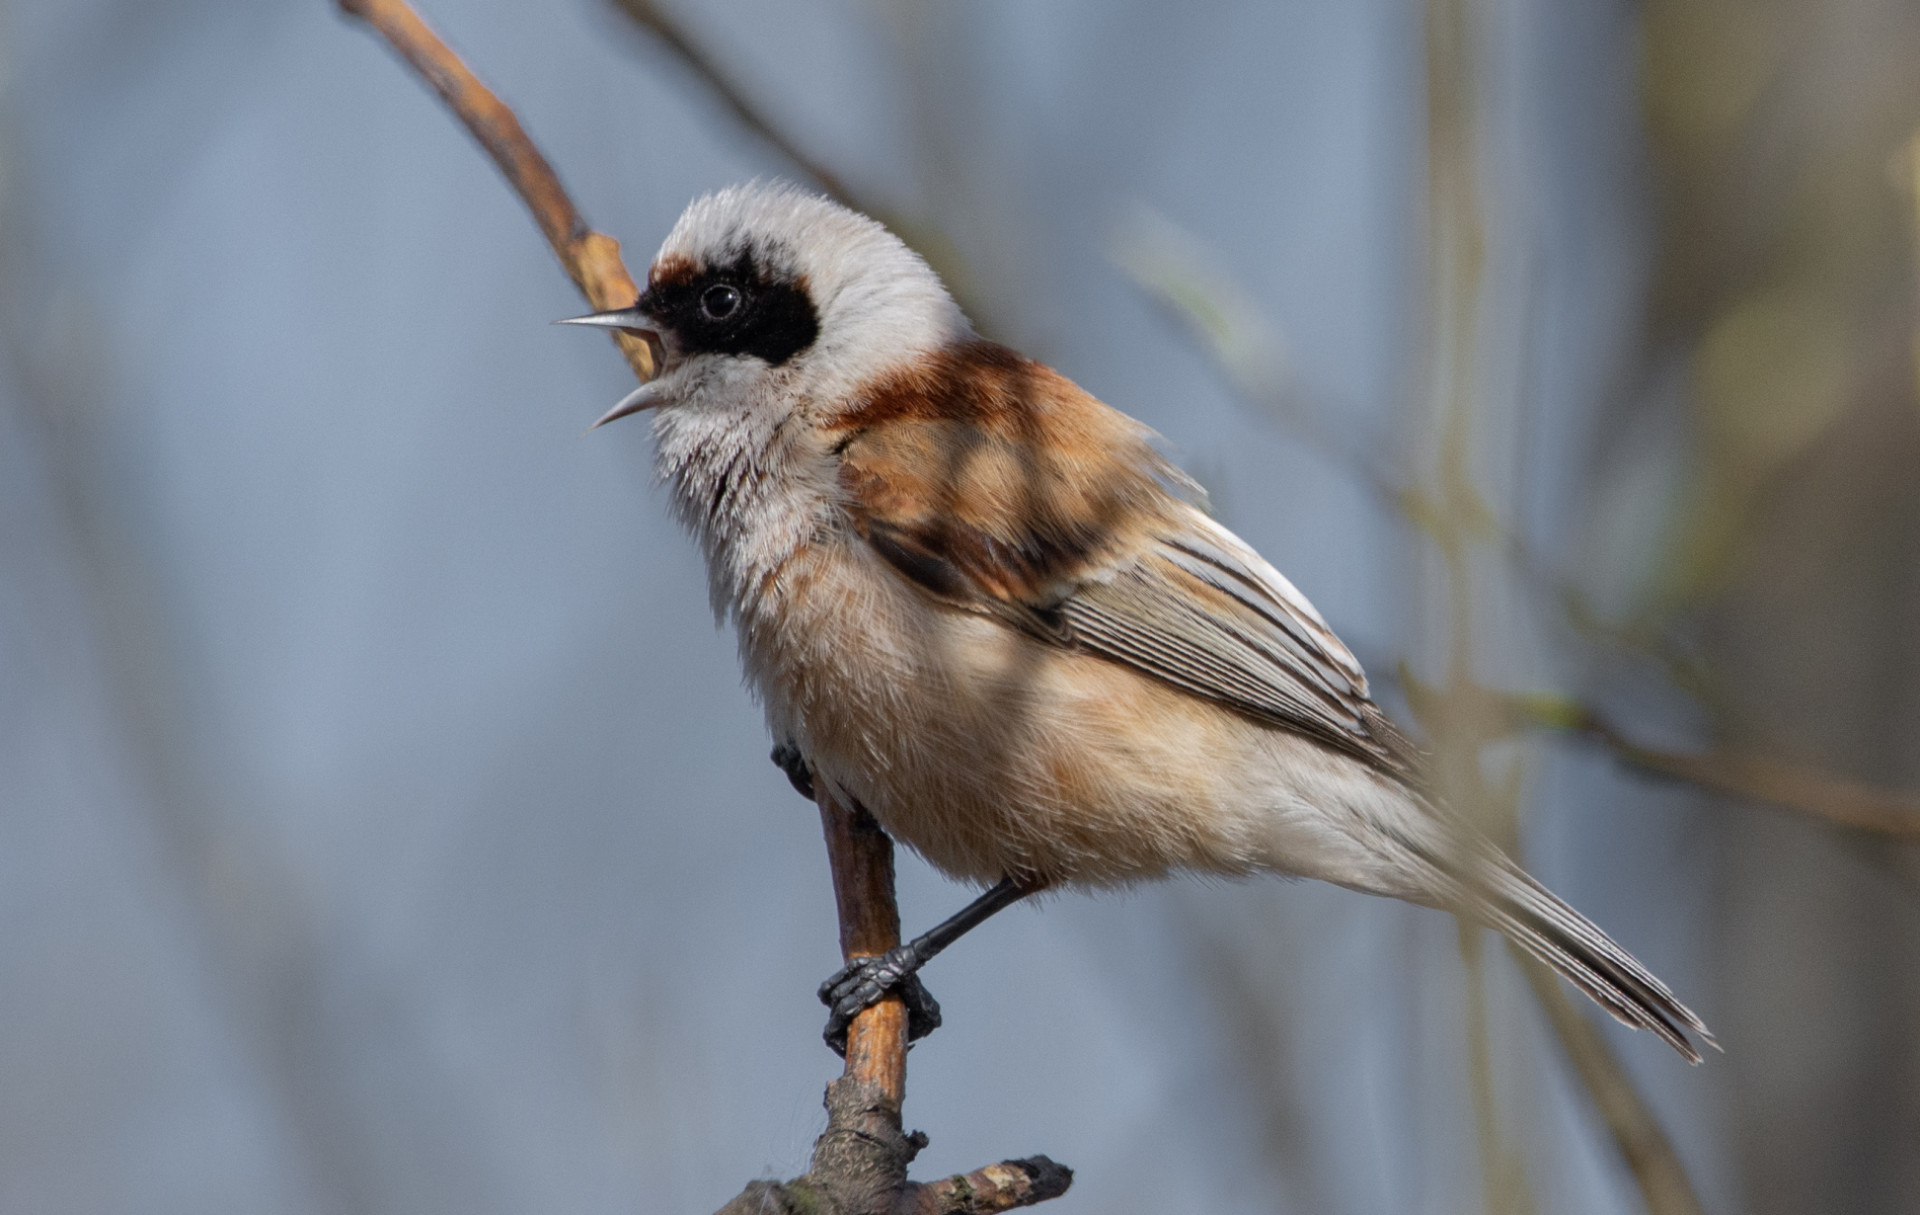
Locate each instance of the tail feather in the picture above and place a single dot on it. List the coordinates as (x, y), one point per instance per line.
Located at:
(1542, 924)
(1621, 985)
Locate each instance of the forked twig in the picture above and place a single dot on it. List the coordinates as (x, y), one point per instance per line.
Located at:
(860, 1163)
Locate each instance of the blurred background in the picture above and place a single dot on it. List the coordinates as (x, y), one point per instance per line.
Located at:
(383, 827)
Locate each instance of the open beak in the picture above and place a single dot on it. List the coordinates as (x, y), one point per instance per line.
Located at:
(638, 323)
(632, 320)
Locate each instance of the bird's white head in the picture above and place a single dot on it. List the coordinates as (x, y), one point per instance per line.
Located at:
(766, 296)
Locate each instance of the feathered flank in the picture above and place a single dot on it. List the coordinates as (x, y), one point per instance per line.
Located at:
(977, 599)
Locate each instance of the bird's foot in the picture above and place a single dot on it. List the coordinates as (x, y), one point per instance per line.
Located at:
(788, 759)
(864, 982)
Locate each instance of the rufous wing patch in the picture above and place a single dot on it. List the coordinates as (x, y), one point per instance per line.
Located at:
(990, 479)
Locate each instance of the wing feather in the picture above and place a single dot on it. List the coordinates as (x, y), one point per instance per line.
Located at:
(1197, 608)
(998, 486)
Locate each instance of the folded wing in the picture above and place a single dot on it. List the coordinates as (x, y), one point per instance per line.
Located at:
(1201, 610)
(1001, 487)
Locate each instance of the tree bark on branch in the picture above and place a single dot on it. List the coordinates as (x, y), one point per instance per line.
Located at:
(860, 1161)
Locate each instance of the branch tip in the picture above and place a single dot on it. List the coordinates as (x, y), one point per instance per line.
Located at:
(589, 258)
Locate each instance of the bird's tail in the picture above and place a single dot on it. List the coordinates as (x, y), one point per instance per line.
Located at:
(1506, 897)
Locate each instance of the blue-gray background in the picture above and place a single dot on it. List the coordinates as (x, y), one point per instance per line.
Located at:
(383, 826)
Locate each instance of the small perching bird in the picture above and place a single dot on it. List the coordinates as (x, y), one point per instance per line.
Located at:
(979, 601)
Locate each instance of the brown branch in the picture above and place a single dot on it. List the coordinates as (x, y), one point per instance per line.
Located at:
(591, 259)
(860, 1167)
(862, 859)
(1643, 1143)
(860, 1161)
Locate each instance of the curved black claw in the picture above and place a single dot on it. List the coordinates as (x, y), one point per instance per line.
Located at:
(864, 982)
(788, 759)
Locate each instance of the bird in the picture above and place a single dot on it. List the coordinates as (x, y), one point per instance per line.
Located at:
(984, 605)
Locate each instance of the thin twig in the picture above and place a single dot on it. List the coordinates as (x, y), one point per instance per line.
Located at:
(662, 25)
(861, 855)
(998, 1187)
(1643, 1143)
(1455, 516)
(591, 259)
(862, 859)
(1750, 777)
(925, 237)
(1737, 774)
(1757, 778)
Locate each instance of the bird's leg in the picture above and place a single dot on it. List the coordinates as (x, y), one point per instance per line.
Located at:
(863, 982)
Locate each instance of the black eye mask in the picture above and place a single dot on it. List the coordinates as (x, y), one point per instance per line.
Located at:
(734, 309)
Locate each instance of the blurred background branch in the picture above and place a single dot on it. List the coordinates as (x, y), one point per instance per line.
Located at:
(1642, 1141)
(735, 98)
(1741, 775)
(716, 79)
(1456, 518)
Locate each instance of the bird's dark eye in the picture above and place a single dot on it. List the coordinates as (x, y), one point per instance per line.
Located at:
(720, 301)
